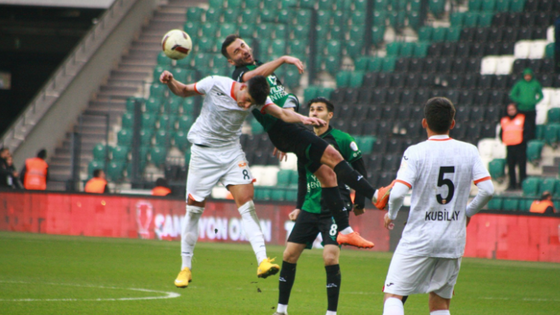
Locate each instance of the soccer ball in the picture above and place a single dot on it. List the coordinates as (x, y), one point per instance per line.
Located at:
(176, 44)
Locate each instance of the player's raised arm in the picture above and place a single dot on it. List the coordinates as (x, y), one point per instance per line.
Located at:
(268, 68)
(290, 116)
(178, 88)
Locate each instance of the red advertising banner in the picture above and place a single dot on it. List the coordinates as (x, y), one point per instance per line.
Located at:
(153, 218)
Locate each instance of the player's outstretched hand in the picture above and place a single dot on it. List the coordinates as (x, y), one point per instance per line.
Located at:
(358, 209)
(313, 121)
(282, 156)
(294, 214)
(166, 77)
(294, 61)
(388, 222)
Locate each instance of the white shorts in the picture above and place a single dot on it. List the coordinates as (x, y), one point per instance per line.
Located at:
(418, 274)
(208, 166)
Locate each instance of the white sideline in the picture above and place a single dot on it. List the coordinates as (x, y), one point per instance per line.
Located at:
(168, 295)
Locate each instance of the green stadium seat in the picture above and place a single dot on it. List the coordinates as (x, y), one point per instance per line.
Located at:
(326, 5)
(301, 31)
(163, 60)
(115, 170)
(291, 195)
(157, 72)
(162, 138)
(366, 144)
(278, 194)
(191, 28)
(407, 49)
(485, 19)
(253, 4)
(325, 92)
(377, 34)
(153, 105)
(343, 79)
(213, 15)
(124, 137)
(93, 165)
(185, 122)
(303, 17)
(131, 103)
(256, 127)
(173, 105)
(356, 32)
(279, 46)
(281, 32)
(332, 64)
(324, 17)
(397, 19)
(179, 74)
(310, 93)
(548, 184)
(502, 5)
(488, 5)
(540, 131)
(227, 29)
(208, 30)
(511, 204)
(388, 64)
(166, 122)
(497, 168)
(551, 132)
(534, 150)
(437, 7)
(188, 107)
(517, 5)
(414, 20)
(245, 31)
(531, 186)
(195, 14)
(158, 155)
(471, 19)
(375, 64)
(457, 18)
(249, 15)
(549, 52)
(265, 30)
(146, 136)
(362, 63)
(99, 152)
(284, 178)
(268, 15)
(231, 15)
(439, 34)
(149, 120)
(425, 33)
(379, 18)
(157, 90)
(415, 5)
(475, 5)
(421, 49)
(127, 120)
(554, 115)
(356, 79)
(263, 193)
(291, 78)
(283, 16)
(453, 34)
(120, 153)
(180, 140)
(354, 48)
(496, 203)
(358, 17)
(394, 49)
(297, 47)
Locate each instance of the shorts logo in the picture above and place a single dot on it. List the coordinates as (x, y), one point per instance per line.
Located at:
(242, 164)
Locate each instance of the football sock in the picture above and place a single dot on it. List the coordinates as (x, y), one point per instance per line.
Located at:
(347, 230)
(333, 286)
(333, 200)
(253, 229)
(355, 180)
(440, 312)
(393, 306)
(189, 234)
(331, 313)
(285, 283)
(281, 308)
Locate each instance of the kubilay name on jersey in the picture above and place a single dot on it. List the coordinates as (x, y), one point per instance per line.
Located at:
(442, 216)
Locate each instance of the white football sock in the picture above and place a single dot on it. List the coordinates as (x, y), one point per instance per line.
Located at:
(347, 230)
(253, 229)
(189, 234)
(281, 308)
(393, 306)
(374, 199)
(331, 313)
(440, 312)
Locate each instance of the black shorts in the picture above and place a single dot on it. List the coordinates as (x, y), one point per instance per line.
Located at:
(308, 225)
(297, 139)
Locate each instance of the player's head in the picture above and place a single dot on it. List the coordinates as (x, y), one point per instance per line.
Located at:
(42, 154)
(4, 152)
(321, 107)
(99, 173)
(254, 92)
(236, 50)
(439, 115)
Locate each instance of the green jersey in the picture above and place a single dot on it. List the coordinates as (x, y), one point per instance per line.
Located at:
(277, 94)
(349, 150)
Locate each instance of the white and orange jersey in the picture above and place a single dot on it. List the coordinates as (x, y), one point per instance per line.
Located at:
(440, 172)
(220, 120)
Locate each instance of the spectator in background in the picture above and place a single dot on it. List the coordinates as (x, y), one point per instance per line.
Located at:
(8, 174)
(35, 172)
(526, 93)
(513, 135)
(544, 204)
(161, 188)
(98, 184)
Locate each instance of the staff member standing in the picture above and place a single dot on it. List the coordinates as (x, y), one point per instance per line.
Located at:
(513, 135)
(35, 172)
(98, 184)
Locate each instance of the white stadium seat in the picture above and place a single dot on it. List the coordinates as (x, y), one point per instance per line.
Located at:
(269, 175)
(504, 64)
(521, 49)
(550, 34)
(257, 171)
(537, 49)
(290, 164)
(555, 99)
(499, 151)
(548, 93)
(486, 147)
(488, 65)
(542, 113)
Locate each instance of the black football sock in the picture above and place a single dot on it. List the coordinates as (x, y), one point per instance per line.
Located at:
(286, 281)
(349, 176)
(333, 200)
(333, 286)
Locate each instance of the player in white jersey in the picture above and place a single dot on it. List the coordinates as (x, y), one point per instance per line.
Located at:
(217, 156)
(440, 172)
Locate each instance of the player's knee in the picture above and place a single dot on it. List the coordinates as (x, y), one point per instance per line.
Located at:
(247, 207)
(290, 256)
(326, 177)
(331, 157)
(194, 210)
(330, 257)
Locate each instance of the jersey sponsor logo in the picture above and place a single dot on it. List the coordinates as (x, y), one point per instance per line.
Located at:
(354, 146)
(442, 216)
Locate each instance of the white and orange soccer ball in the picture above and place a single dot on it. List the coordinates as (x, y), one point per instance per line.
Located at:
(176, 44)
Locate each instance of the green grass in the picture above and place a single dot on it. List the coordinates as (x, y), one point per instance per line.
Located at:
(45, 274)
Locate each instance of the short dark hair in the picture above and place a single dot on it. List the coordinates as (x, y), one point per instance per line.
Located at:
(439, 113)
(97, 172)
(161, 182)
(330, 106)
(229, 39)
(42, 154)
(258, 89)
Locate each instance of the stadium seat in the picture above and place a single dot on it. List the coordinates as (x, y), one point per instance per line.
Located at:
(531, 186)
(124, 137)
(180, 140)
(521, 50)
(93, 165)
(115, 171)
(153, 105)
(162, 138)
(488, 65)
(497, 169)
(158, 155)
(537, 49)
(504, 64)
(551, 134)
(511, 204)
(100, 152)
(548, 184)
(120, 153)
(495, 204)
(146, 136)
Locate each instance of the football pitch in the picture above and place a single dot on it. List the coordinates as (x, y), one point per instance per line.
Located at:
(46, 274)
